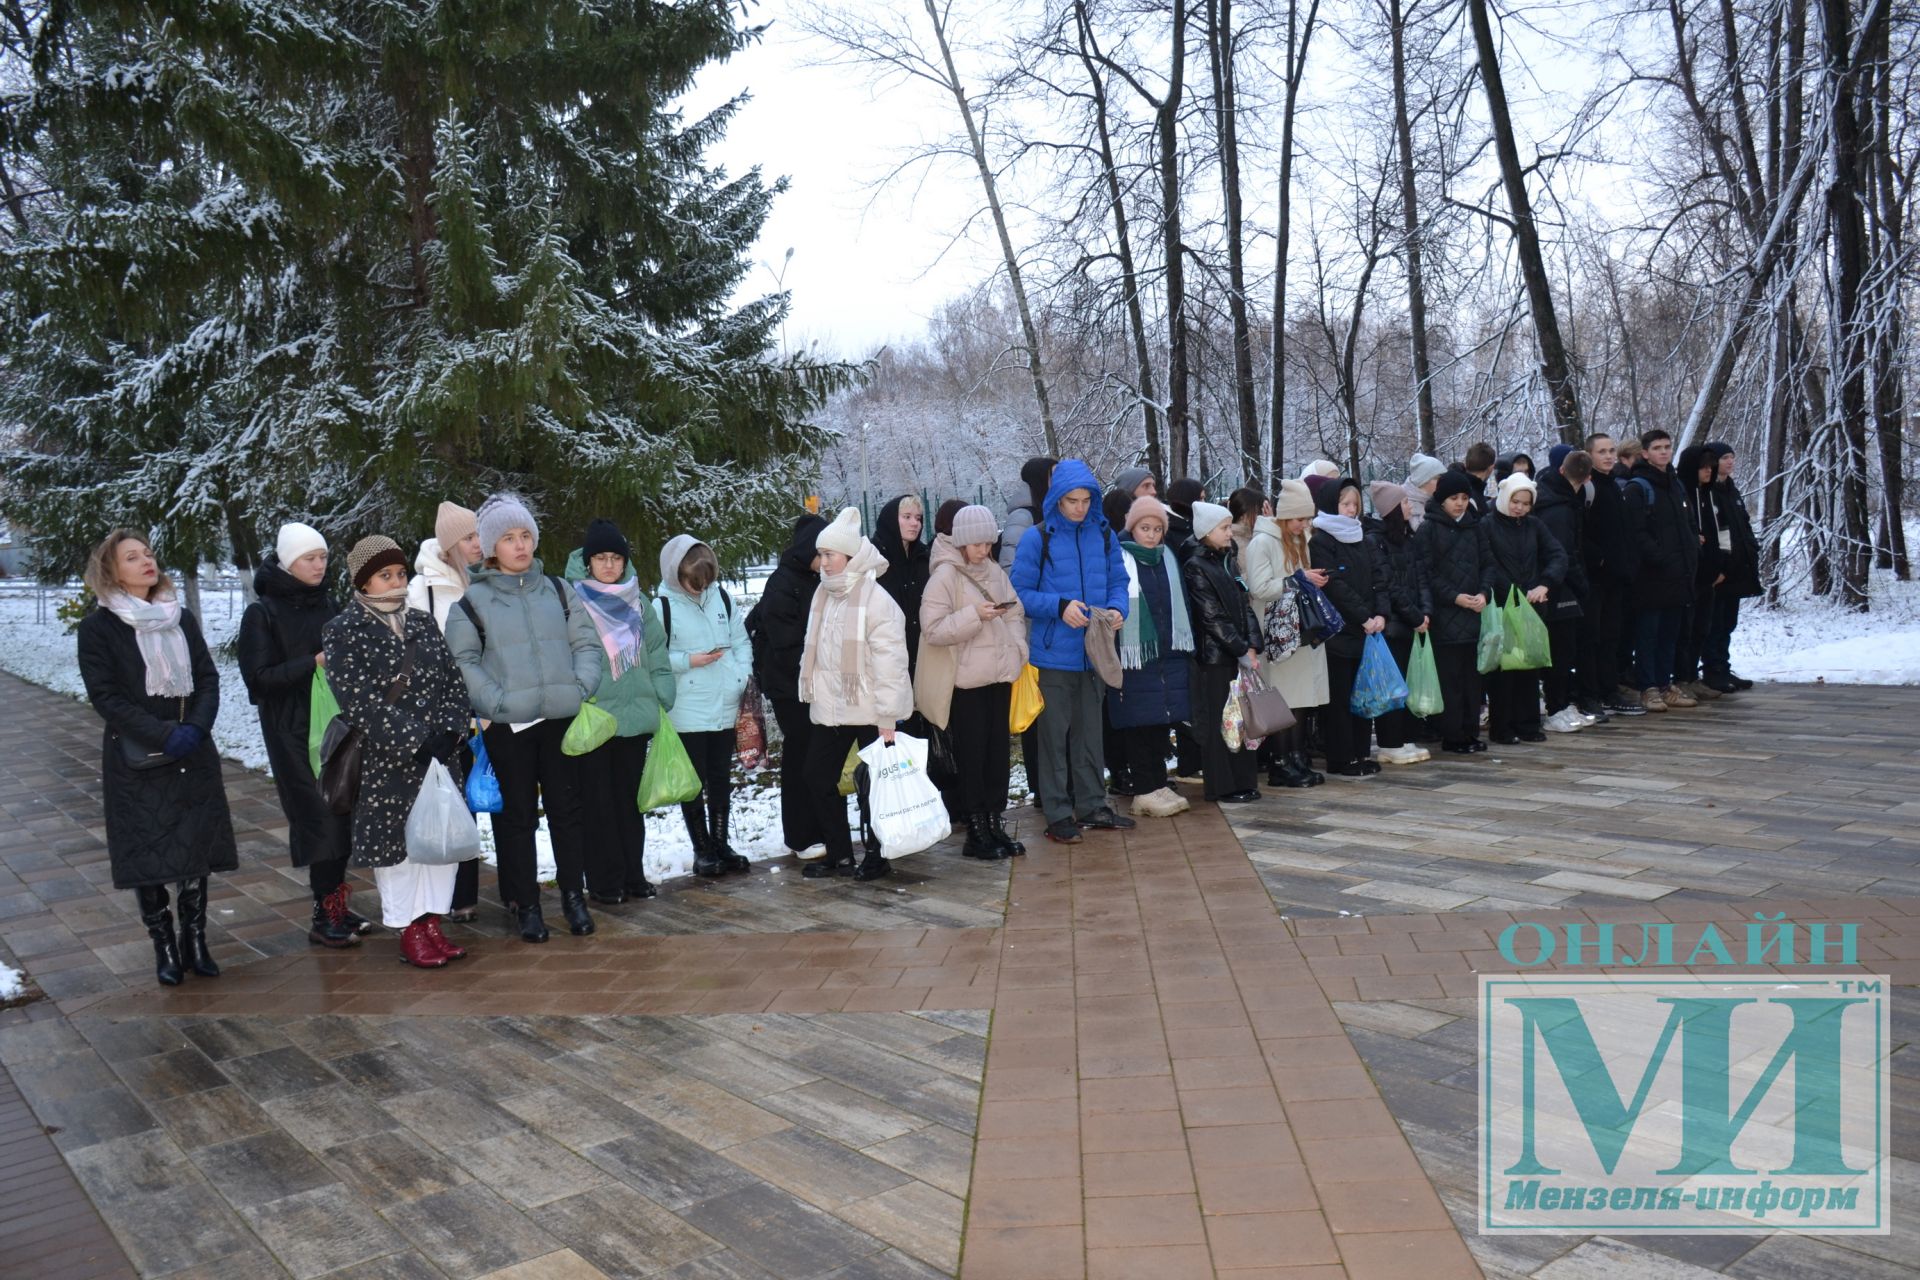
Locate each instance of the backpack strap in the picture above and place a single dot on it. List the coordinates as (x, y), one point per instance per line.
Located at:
(666, 615)
(431, 611)
(473, 616)
(566, 607)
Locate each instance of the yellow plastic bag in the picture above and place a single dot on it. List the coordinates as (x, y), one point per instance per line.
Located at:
(1027, 702)
(848, 783)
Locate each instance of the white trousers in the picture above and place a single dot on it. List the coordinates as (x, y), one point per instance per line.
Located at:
(411, 890)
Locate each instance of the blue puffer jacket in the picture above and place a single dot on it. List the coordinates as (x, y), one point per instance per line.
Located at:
(1082, 563)
(540, 657)
(1157, 692)
(708, 697)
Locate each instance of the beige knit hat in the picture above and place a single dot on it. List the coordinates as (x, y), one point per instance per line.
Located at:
(369, 556)
(452, 523)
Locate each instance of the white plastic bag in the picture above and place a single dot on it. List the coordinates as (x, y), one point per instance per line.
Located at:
(440, 830)
(908, 813)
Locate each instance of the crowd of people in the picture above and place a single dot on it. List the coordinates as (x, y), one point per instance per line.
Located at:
(1134, 615)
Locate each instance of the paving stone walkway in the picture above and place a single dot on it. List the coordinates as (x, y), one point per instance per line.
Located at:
(1166, 1054)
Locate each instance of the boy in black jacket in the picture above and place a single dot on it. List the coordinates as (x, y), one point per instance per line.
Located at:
(1518, 552)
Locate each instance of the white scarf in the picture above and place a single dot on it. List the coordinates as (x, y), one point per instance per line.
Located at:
(163, 645)
(1343, 528)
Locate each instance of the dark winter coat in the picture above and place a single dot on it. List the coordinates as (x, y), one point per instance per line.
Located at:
(1179, 537)
(1706, 521)
(1357, 583)
(1407, 594)
(363, 658)
(171, 823)
(777, 625)
(1060, 561)
(1449, 555)
(1520, 553)
(279, 635)
(1669, 547)
(1503, 466)
(1224, 627)
(1743, 559)
(1158, 692)
(909, 565)
(1562, 510)
(1608, 542)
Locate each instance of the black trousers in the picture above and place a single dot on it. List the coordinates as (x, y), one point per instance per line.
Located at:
(1459, 717)
(798, 828)
(1714, 657)
(1599, 652)
(827, 755)
(1225, 771)
(324, 877)
(1513, 703)
(711, 751)
(1344, 733)
(1564, 639)
(1693, 637)
(466, 877)
(1142, 759)
(610, 792)
(1395, 729)
(982, 748)
(536, 775)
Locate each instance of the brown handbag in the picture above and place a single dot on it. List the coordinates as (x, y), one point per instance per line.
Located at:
(1264, 708)
(344, 745)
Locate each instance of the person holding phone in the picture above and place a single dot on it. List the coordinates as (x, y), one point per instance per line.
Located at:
(973, 645)
(712, 659)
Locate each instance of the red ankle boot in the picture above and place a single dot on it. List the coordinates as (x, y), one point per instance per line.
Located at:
(446, 945)
(417, 949)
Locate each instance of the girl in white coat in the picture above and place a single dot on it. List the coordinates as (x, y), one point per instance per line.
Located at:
(1276, 551)
(853, 678)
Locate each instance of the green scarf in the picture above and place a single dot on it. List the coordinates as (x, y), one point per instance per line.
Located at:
(1139, 639)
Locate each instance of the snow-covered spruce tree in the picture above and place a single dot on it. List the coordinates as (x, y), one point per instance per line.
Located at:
(341, 260)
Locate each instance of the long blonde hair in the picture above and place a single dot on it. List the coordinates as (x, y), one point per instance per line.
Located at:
(102, 574)
(1294, 547)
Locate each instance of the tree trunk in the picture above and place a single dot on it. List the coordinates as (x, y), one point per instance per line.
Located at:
(1848, 351)
(1031, 334)
(1167, 129)
(1410, 223)
(1889, 389)
(1526, 239)
(1123, 240)
(1220, 43)
(1298, 35)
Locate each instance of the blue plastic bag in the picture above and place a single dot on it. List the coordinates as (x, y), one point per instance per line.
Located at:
(1320, 621)
(483, 787)
(1380, 687)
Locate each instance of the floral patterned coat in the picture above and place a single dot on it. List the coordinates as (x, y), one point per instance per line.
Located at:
(364, 657)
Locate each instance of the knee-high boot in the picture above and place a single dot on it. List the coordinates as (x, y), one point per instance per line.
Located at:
(192, 896)
(706, 859)
(719, 815)
(159, 922)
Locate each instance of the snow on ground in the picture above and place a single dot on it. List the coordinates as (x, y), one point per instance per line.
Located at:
(12, 983)
(1810, 639)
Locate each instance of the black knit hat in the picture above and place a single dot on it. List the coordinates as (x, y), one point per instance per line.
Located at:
(603, 536)
(1452, 482)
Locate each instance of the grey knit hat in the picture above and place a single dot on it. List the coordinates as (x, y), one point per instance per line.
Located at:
(501, 514)
(1422, 468)
(369, 556)
(973, 525)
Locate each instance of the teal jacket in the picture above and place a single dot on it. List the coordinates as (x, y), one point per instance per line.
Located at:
(638, 697)
(709, 698)
(541, 656)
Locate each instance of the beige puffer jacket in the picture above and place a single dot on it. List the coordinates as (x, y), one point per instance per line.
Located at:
(1263, 565)
(880, 693)
(957, 649)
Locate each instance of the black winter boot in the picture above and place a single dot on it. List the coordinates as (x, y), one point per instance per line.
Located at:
(573, 905)
(1305, 767)
(330, 926)
(159, 922)
(718, 817)
(193, 928)
(979, 840)
(1006, 844)
(706, 859)
(533, 926)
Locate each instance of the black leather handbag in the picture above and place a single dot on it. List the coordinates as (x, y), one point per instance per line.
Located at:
(139, 757)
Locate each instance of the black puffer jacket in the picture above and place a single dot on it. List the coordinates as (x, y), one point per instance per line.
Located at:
(1450, 556)
(1562, 509)
(1520, 553)
(1706, 518)
(279, 636)
(170, 823)
(1224, 627)
(1743, 560)
(1669, 548)
(1407, 592)
(1356, 583)
(909, 566)
(1608, 542)
(777, 625)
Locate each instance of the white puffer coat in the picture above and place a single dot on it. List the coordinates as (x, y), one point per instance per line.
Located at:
(880, 694)
(434, 587)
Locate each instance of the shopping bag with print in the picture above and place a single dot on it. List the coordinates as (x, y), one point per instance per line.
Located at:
(322, 707)
(1423, 679)
(668, 777)
(1380, 687)
(1025, 707)
(590, 730)
(750, 728)
(1233, 719)
(440, 829)
(1493, 639)
(483, 784)
(908, 813)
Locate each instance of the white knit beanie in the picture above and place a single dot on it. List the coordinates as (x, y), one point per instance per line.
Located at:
(1208, 516)
(296, 540)
(1320, 467)
(843, 535)
(1503, 497)
(500, 515)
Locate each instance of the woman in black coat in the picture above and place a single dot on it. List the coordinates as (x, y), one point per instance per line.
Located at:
(1517, 552)
(777, 628)
(1358, 585)
(279, 650)
(896, 534)
(1448, 548)
(396, 681)
(149, 675)
(1226, 639)
(1391, 532)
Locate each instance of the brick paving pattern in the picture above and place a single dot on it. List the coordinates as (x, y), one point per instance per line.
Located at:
(1197, 1064)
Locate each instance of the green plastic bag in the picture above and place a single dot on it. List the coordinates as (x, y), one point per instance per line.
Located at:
(849, 779)
(1527, 647)
(1423, 679)
(322, 708)
(668, 778)
(1493, 639)
(590, 730)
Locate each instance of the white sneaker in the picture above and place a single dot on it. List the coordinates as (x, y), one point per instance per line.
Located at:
(1586, 720)
(812, 853)
(1565, 720)
(1398, 755)
(1163, 803)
